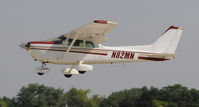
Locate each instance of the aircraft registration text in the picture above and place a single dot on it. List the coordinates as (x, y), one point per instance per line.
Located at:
(122, 54)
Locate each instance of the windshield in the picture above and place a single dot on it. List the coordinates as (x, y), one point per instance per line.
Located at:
(60, 39)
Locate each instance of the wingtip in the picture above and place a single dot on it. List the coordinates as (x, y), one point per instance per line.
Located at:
(104, 22)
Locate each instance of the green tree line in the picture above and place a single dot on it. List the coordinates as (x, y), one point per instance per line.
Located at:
(36, 95)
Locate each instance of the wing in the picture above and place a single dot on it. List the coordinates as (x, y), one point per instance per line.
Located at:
(94, 31)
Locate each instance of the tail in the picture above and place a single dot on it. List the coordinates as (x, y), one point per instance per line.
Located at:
(169, 40)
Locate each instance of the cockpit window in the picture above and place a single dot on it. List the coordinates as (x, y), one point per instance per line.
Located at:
(69, 42)
(78, 43)
(60, 39)
(89, 44)
(81, 43)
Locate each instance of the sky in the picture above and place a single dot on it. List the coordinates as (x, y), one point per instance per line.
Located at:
(139, 22)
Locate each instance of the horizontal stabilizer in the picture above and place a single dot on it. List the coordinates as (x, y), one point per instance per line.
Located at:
(163, 55)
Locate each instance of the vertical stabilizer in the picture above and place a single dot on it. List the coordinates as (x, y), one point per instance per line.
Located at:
(168, 42)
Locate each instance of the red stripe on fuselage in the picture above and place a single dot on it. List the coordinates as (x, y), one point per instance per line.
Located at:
(41, 42)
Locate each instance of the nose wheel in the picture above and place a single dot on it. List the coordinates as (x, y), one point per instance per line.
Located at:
(42, 69)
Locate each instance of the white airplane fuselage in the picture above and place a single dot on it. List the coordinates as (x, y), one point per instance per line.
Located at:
(52, 53)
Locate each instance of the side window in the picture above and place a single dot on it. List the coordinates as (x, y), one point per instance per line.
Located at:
(78, 43)
(69, 42)
(89, 44)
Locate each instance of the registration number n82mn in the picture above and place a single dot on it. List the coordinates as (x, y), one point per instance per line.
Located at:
(122, 54)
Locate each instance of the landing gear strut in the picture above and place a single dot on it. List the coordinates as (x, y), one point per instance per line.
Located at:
(42, 70)
(43, 64)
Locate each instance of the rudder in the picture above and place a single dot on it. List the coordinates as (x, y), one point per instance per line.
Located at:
(169, 40)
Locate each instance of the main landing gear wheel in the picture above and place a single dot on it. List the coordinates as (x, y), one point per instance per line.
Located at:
(82, 72)
(67, 75)
(40, 73)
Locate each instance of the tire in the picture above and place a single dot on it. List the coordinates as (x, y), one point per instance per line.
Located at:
(82, 72)
(67, 75)
(40, 73)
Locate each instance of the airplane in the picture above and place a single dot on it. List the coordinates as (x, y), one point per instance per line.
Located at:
(82, 47)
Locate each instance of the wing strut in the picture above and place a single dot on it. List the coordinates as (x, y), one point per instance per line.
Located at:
(76, 36)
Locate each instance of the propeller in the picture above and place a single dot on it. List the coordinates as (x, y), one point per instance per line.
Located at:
(24, 45)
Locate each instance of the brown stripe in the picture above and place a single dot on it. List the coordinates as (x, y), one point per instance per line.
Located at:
(152, 59)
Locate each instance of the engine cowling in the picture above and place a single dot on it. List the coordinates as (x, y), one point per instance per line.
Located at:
(42, 70)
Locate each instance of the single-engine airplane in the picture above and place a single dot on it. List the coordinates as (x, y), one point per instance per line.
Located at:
(82, 47)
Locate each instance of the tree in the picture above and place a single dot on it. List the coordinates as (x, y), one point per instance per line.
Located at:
(195, 96)
(95, 101)
(35, 95)
(178, 94)
(131, 99)
(5, 102)
(77, 98)
(157, 103)
(125, 98)
(145, 98)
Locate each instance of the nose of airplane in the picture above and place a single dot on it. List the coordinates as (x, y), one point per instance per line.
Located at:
(24, 45)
